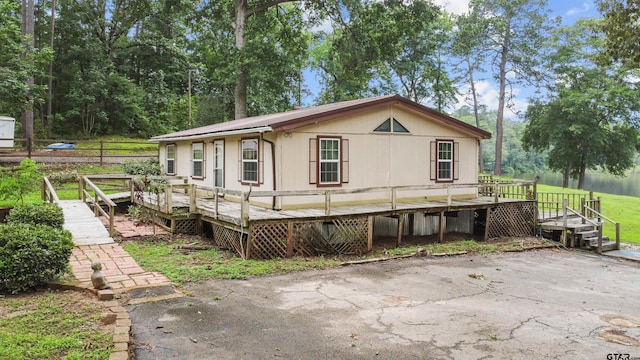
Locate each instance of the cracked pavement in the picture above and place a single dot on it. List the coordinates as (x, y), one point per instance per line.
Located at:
(549, 304)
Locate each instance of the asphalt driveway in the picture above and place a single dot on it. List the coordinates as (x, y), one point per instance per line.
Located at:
(547, 304)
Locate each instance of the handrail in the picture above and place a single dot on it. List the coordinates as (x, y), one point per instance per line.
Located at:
(594, 223)
(95, 202)
(616, 224)
(48, 192)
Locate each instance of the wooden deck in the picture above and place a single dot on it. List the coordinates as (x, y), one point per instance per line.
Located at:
(230, 211)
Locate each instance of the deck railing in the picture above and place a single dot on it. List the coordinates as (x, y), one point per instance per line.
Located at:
(244, 197)
(95, 201)
(48, 192)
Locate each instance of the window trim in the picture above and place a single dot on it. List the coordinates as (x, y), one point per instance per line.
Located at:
(213, 161)
(194, 160)
(167, 159)
(444, 161)
(338, 182)
(257, 162)
(435, 160)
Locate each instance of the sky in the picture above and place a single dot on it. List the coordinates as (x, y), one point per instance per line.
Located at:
(568, 10)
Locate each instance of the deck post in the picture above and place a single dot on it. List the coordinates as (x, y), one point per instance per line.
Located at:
(192, 198)
(327, 202)
(400, 228)
(393, 198)
(81, 187)
(564, 221)
(244, 209)
(600, 238)
(216, 200)
(369, 233)
(495, 192)
(168, 199)
(441, 227)
(448, 195)
(111, 219)
(487, 224)
(289, 238)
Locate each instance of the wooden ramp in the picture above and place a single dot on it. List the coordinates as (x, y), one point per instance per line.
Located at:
(85, 227)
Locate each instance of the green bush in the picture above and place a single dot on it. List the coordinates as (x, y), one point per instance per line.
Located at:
(37, 214)
(148, 167)
(32, 255)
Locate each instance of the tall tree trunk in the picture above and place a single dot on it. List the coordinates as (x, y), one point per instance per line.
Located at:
(49, 116)
(28, 32)
(240, 93)
(565, 177)
(475, 112)
(497, 167)
(583, 173)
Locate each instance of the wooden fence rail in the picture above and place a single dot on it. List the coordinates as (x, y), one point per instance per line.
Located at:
(92, 151)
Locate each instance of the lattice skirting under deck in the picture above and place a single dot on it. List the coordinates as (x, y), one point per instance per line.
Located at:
(283, 239)
(516, 219)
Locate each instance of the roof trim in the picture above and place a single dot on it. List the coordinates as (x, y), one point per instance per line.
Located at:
(262, 129)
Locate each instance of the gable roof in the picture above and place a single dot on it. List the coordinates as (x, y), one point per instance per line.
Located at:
(291, 120)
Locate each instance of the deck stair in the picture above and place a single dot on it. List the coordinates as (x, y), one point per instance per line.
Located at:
(581, 229)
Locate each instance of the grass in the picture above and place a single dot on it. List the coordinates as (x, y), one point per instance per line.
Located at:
(201, 265)
(51, 325)
(182, 266)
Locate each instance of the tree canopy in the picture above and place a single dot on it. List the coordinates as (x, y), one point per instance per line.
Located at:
(142, 67)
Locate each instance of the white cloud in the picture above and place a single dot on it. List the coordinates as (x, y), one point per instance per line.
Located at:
(488, 95)
(454, 6)
(575, 11)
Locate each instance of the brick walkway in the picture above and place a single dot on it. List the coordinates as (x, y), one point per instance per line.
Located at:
(120, 269)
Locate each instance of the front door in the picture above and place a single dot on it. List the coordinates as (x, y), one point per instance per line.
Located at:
(218, 163)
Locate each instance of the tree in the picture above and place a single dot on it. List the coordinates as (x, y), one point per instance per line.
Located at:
(515, 37)
(419, 67)
(467, 45)
(620, 26)
(265, 71)
(242, 13)
(590, 120)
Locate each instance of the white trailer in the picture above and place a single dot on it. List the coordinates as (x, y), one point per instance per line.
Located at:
(7, 127)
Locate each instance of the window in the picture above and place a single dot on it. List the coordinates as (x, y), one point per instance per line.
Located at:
(387, 126)
(329, 161)
(218, 163)
(197, 157)
(445, 157)
(445, 160)
(250, 161)
(171, 159)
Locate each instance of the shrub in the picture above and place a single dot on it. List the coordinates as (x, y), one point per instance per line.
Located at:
(15, 184)
(35, 214)
(32, 255)
(148, 167)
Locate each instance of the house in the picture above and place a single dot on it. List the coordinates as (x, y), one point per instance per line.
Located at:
(359, 153)
(375, 142)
